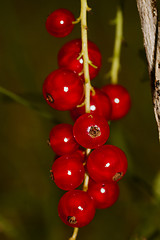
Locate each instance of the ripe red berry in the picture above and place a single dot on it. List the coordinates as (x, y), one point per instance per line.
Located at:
(120, 100)
(68, 171)
(63, 89)
(91, 130)
(61, 139)
(103, 194)
(106, 164)
(99, 104)
(76, 208)
(69, 53)
(59, 23)
(81, 151)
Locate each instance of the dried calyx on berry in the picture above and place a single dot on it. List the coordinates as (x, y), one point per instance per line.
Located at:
(78, 214)
(63, 89)
(108, 163)
(91, 130)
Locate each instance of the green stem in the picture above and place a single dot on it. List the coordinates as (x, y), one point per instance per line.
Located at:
(15, 97)
(24, 102)
(84, 37)
(117, 46)
(86, 61)
(87, 84)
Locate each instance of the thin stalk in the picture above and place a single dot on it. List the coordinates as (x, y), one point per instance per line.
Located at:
(75, 233)
(87, 85)
(84, 8)
(24, 102)
(117, 46)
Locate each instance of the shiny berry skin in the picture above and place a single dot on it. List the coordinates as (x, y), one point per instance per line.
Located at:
(91, 130)
(63, 89)
(68, 171)
(120, 100)
(76, 208)
(61, 139)
(107, 163)
(68, 54)
(59, 22)
(103, 194)
(99, 104)
(81, 151)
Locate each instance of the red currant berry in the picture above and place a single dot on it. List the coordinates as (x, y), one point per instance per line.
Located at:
(68, 57)
(59, 23)
(76, 208)
(63, 89)
(81, 151)
(99, 104)
(91, 130)
(68, 171)
(61, 139)
(103, 194)
(107, 163)
(120, 100)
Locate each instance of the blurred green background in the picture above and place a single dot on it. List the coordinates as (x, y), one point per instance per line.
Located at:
(28, 198)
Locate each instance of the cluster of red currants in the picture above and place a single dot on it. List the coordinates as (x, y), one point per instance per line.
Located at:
(63, 90)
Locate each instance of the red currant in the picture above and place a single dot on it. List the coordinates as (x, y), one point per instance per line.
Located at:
(103, 194)
(76, 208)
(91, 130)
(59, 23)
(120, 100)
(68, 57)
(68, 171)
(81, 151)
(99, 104)
(63, 89)
(61, 139)
(107, 163)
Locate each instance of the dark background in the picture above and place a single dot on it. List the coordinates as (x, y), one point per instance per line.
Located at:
(28, 198)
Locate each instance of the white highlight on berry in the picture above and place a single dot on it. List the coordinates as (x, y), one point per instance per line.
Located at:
(80, 208)
(69, 172)
(61, 22)
(107, 165)
(65, 139)
(66, 89)
(102, 190)
(81, 61)
(92, 108)
(116, 100)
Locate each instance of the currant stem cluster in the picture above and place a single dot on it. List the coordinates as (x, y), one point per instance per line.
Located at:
(86, 62)
(117, 46)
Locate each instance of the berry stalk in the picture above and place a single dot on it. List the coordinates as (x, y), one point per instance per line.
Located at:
(117, 46)
(84, 9)
(75, 233)
(88, 87)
